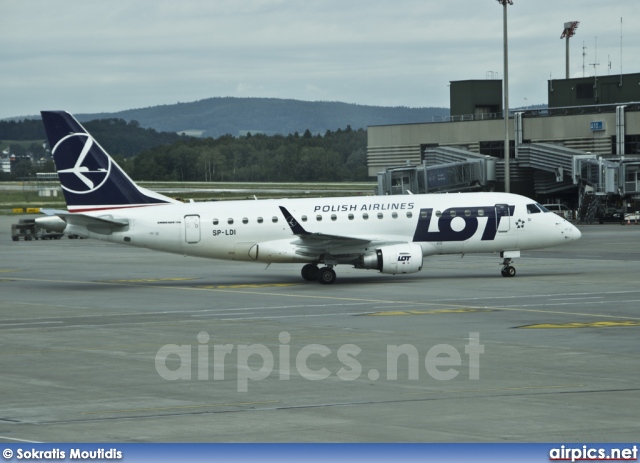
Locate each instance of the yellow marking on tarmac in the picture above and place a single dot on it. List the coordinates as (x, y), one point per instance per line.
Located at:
(603, 324)
(425, 312)
(181, 407)
(261, 285)
(523, 388)
(148, 280)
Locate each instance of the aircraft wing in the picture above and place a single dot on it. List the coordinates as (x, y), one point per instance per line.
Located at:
(314, 243)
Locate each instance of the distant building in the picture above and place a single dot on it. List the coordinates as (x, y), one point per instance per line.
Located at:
(588, 139)
(588, 91)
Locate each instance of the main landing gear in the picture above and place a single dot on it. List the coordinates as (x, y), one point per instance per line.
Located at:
(325, 275)
(507, 269)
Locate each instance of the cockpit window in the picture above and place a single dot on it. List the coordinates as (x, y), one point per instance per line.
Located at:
(532, 209)
(542, 208)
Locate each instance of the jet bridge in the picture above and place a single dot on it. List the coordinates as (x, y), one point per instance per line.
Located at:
(554, 169)
(452, 176)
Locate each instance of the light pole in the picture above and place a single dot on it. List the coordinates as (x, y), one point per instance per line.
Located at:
(568, 32)
(505, 91)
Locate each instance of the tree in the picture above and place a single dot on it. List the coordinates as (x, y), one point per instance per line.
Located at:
(22, 168)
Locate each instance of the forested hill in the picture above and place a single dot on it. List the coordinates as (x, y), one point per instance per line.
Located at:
(236, 116)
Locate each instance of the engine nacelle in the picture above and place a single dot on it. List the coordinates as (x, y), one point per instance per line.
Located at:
(51, 223)
(397, 258)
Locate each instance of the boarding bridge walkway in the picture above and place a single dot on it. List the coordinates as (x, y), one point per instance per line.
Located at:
(554, 169)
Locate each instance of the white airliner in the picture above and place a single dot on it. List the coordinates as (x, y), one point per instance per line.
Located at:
(391, 234)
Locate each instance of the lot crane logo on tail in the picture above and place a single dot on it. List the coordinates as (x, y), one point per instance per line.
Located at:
(86, 174)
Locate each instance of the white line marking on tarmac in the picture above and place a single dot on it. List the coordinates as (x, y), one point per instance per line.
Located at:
(29, 323)
(295, 316)
(21, 440)
(571, 303)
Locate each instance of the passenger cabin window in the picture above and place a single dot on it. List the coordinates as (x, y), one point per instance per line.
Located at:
(409, 215)
(380, 215)
(333, 217)
(423, 214)
(365, 216)
(394, 215)
(480, 212)
(215, 221)
(274, 219)
(319, 218)
(245, 220)
(532, 209)
(350, 216)
(230, 221)
(259, 220)
(304, 218)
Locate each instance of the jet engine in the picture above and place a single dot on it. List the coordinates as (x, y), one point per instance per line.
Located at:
(51, 223)
(398, 258)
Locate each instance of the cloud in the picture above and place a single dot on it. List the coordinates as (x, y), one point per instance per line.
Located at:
(107, 56)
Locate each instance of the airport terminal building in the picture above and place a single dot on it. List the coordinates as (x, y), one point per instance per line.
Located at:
(583, 150)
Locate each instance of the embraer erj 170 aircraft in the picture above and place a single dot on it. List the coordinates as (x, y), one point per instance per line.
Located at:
(391, 234)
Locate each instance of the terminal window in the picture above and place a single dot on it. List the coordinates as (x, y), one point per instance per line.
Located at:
(496, 148)
(584, 91)
(631, 144)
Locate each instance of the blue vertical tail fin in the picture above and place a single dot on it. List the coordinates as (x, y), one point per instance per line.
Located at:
(90, 179)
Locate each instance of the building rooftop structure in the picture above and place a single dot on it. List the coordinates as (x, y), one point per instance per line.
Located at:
(585, 142)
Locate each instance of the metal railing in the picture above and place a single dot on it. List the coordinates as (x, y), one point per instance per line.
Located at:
(541, 112)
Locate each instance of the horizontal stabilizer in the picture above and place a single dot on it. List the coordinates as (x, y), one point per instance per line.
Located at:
(103, 225)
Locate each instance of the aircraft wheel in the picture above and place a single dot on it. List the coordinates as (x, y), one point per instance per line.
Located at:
(508, 271)
(326, 276)
(310, 272)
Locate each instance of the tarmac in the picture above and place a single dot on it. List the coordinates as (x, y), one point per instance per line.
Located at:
(107, 343)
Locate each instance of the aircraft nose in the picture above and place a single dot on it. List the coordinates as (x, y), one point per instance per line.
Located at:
(574, 233)
(568, 231)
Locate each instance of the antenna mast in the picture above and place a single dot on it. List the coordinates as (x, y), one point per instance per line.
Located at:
(595, 65)
(621, 51)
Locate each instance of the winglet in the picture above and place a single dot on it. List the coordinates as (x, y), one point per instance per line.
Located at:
(296, 228)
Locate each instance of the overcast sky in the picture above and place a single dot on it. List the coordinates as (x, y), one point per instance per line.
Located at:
(103, 56)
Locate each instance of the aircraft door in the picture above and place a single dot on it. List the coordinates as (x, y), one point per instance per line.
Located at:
(192, 229)
(503, 220)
